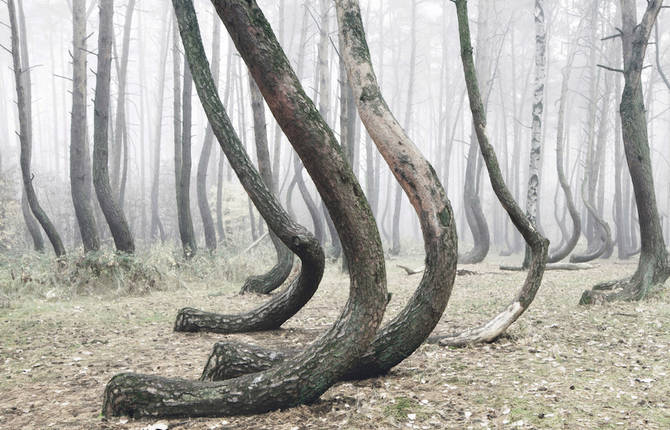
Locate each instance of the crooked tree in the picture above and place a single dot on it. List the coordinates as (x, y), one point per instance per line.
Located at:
(304, 378)
(653, 266)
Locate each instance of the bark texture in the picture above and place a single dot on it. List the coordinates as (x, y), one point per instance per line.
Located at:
(304, 378)
(536, 132)
(537, 244)
(653, 266)
(116, 220)
(80, 158)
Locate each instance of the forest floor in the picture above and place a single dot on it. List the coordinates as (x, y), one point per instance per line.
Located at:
(560, 366)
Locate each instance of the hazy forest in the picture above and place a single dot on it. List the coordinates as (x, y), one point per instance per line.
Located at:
(308, 214)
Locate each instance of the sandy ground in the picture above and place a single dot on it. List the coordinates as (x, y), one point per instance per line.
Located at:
(560, 366)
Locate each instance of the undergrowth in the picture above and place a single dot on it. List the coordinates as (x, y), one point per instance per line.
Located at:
(160, 268)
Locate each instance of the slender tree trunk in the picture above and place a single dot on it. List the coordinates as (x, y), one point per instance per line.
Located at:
(114, 215)
(570, 242)
(205, 153)
(80, 158)
(536, 133)
(653, 267)
(21, 65)
(156, 224)
(310, 374)
(537, 244)
(184, 179)
(119, 171)
(31, 223)
(276, 276)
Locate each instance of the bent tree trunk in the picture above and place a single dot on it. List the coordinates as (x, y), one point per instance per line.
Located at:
(31, 223)
(304, 378)
(653, 266)
(406, 332)
(537, 244)
(116, 220)
(474, 213)
(604, 229)
(275, 277)
(205, 153)
(21, 67)
(571, 242)
(80, 158)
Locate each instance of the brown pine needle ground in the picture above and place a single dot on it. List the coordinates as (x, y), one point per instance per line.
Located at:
(561, 365)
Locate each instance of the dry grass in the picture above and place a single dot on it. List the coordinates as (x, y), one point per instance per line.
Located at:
(561, 366)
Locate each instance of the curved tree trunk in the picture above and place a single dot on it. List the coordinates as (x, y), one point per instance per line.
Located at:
(21, 65)
(570, 243)
(275, 277)
(473, 211)
(205, 153)
(605, 236)
(536, 243)
(80, 158)
(116, 220)
(304, 378)
(653, 266)
(31, 223)
(407, 331)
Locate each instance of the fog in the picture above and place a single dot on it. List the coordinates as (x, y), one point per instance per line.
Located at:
(438, 116)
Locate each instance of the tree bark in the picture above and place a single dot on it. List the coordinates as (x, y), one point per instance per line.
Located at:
(537, 244)
(653, 266)
(80, 158)
(21, 65)
(536, 133)
(114, 216)
(304, 378)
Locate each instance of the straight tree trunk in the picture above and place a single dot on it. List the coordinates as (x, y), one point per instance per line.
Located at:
(184, 179)
(120, 132)
(536, 133)
(307, 376)
(114, 215)
(156, 223)
(21, 65)
(205, 153)
(80, 158)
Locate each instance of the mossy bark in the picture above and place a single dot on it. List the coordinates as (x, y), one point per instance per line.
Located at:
(305, 377)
